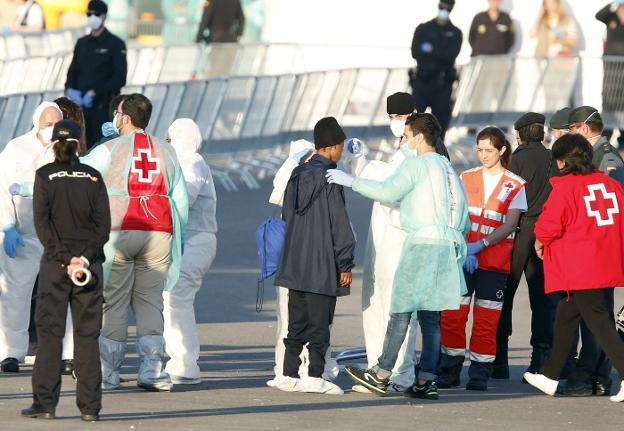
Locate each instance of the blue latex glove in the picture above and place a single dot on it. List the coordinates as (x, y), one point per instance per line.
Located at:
(108, 129)
(336, 176)
(355, 146)
(12, 239)
(475, 247)
(74, 95)
(472, 264)
(87, 100)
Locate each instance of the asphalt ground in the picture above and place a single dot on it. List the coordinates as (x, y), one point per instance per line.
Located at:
(237, 360)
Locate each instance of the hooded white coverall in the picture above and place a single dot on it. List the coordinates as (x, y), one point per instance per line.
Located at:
(297, 150)
(200, 247)
(19, 160)
(383, 251)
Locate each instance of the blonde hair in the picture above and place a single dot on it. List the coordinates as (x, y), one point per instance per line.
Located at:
(564, 16)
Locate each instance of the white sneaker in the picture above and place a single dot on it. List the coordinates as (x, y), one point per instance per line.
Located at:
(619, 397)
(361, 389)
(288, 384)
(543, 383)
(180, 380)
(317, 385)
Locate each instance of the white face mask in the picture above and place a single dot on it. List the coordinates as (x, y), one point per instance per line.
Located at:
(443, 14)
(397, 127)
(46, 134)
(94, 22)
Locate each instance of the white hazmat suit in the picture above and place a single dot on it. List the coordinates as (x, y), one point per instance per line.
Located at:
(200, 247)
(19, 160)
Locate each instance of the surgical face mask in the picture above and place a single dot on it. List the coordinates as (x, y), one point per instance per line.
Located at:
(46, 134)
(117, 128)
(407, 151)
(397, 127)
(443, 14)
(94, 22)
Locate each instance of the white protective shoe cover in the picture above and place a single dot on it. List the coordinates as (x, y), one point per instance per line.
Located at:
(288, 384)
(543, 383)
(152, 376)
(317, 385)
(111, 355)
(180, 380)
(360, 389)
(619, 397)
(277, 381)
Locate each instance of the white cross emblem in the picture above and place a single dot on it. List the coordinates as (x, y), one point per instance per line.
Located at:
(602, 204)
(145, 166)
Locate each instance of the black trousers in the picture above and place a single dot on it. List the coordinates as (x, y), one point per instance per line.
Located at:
(436, 95)
(592, 362)
(309, 318)
(589, 305)
(525, 260)
(94, 118)
(56, 291)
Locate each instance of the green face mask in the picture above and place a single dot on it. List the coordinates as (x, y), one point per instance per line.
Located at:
(407, 151)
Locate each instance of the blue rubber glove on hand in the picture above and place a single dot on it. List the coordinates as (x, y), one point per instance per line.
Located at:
(336, 176)
(472, 264)
(108, 129)
(87, 100)
(355, 146)
(475, 247)
(12, 239)
(75, 96)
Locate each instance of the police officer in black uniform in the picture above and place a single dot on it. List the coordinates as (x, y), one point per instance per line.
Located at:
(533, 162)
(612, 15)
(492, 31)
(435, 46)
(72, 219)
(97, 72)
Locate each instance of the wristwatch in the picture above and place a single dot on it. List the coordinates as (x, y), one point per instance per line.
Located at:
(485, 242)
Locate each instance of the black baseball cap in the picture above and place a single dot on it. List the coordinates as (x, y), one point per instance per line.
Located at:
(66, 129)
(97, 7)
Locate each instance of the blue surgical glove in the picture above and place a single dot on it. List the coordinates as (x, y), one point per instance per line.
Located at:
(108, 129)
(336, 176)
(87, 100)
(74, 95)
(426, 47)
(472, 264)
(12, 239)
(355, 146)
(475, 247)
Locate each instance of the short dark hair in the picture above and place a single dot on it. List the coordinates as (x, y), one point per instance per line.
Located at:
(576, 152)
(138, 108)
(114, 104)
(498, 140)
(327, 133)
(426, 124)
(531, 133)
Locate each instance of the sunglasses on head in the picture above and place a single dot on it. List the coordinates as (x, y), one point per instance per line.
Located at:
(94, 13)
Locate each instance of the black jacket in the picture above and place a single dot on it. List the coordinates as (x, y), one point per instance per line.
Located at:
(533, 162)
(489, 37)
(614, 44)
(71, 212)
(446, 41)
(319, 241)
(224, 19)
(99, 64)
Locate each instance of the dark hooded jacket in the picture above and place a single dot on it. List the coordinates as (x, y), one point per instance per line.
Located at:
(319, 241)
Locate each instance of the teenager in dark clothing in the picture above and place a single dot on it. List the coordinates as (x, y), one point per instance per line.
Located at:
(316, 260)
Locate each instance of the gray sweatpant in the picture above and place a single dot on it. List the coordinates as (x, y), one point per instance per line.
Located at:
(137, 279)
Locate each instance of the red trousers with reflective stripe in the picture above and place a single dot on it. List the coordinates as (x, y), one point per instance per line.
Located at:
(488, 289)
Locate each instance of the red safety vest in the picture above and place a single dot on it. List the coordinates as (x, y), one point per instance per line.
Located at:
(486, 219)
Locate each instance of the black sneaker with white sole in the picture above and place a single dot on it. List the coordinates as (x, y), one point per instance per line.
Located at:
(428, 391)
(369, 379)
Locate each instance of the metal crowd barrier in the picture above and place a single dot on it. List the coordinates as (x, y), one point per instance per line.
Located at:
(247, 122)
(39, 44)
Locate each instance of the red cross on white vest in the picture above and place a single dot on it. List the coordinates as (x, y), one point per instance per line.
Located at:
(606, 204)
(145, 166)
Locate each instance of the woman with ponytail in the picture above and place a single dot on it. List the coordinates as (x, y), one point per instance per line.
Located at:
(496, 198)
(72, 220)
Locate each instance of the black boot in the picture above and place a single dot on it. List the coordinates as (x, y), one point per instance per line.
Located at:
(449, 371)
(38, 413)
(9, 365)
(500, 367)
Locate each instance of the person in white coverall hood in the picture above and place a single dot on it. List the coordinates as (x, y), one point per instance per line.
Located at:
(21, 251)
(383, 250)
(200, 247)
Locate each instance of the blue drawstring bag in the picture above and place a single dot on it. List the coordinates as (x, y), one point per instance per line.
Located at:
(270, 242)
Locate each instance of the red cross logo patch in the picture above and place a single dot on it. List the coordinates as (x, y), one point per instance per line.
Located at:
(145, 166)
(603, 206)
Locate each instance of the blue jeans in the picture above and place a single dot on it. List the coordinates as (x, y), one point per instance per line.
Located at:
(395, 335)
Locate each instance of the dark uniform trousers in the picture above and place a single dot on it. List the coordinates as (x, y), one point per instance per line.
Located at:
(434, 92)
(56, 291)
(94, 118)
(309, 317)
(525, 260)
